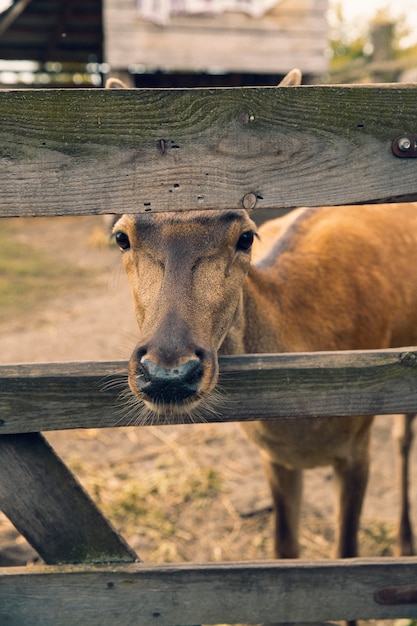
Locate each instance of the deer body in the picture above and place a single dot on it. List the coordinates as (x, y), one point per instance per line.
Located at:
(321, 279)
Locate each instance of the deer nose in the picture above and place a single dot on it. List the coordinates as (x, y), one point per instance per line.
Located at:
(168, 385)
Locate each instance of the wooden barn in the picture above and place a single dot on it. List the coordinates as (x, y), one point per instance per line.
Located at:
(183, 49)
(51, 43)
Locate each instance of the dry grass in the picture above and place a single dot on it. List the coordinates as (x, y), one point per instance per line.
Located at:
(29, 275)
(175, 497)
(172, 499)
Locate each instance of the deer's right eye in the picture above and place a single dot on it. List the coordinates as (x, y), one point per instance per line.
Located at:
(122, 240)
(245, 241)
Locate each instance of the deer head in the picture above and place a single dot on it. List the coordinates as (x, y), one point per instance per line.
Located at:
(186, 272)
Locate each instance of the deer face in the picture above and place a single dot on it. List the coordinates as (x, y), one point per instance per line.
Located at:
(186, 272)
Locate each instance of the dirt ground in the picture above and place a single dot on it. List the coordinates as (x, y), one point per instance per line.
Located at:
(194, 492)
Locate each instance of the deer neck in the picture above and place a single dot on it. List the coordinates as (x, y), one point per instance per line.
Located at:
(253, 330)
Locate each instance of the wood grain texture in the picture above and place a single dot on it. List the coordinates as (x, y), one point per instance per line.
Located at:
(251, 592)
(87, 395)
(96, 151)
(50, 508)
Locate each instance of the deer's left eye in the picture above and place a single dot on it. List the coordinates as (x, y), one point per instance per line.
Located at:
(245, 241)
(122, 240)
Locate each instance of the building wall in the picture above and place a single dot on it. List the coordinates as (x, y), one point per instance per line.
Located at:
(293, 34)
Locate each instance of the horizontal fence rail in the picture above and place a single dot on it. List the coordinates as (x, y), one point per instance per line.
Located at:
(89, 151)
(55, 396)
(208, 593)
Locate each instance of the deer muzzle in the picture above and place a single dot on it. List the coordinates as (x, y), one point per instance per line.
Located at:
(168, 385)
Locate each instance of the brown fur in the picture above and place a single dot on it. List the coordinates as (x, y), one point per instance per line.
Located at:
(322, 279)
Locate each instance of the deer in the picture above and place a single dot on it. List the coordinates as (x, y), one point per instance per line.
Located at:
(327, 278)
(209, 282)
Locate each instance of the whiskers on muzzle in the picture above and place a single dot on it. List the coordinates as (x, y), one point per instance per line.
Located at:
(133, 410)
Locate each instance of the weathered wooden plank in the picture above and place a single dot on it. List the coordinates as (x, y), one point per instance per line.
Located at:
(81, 395)
(252, 592)
(287, 26)
(50, 508)
(249, 50)
(96, 151)
(183, 45)
(294, 16)
(292, 34)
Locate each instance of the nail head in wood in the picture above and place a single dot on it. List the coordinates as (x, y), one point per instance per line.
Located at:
(249, 201)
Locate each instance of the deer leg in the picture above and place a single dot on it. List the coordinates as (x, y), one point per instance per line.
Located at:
(403, 436)
(351, 480)
(286, 487)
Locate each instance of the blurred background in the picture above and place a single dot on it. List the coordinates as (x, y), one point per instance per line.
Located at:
(205, 43)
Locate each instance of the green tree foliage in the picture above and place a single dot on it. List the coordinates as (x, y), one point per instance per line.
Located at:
(377, 49)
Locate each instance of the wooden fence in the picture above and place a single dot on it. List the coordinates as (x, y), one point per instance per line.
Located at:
(95, 151)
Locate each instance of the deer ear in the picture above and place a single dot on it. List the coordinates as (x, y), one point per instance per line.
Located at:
(292, 79)
(115, 83)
